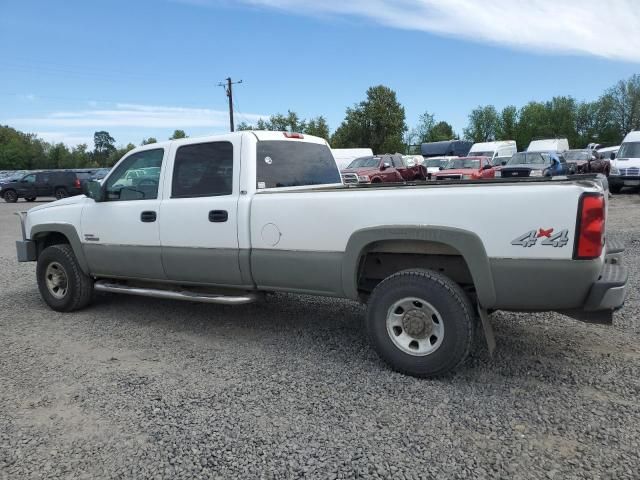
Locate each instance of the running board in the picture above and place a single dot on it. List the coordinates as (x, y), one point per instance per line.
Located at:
(105, 286)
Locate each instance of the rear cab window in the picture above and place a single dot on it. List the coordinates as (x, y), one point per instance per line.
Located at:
(286, 163)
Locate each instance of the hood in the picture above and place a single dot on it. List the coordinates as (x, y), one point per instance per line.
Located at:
(59, 203)
(361, 170)
(458, 171)
(529, 166)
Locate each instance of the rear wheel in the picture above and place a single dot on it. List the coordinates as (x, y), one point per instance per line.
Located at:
(61, 193)
(62, 283)
(421, 323)
(10, 196)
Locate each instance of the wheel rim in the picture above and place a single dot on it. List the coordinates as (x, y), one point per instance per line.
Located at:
(61, 194)
(56, 279)
(10, 195)
(415, 326)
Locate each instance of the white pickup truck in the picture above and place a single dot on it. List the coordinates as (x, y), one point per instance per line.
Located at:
(223, 219)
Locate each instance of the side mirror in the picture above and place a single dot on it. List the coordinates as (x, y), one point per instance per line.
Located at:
(93, 189)
(385, 165)
(440, 167)
(486, 166)
(612, 156)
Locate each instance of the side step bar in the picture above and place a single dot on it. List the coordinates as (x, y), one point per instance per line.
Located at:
(112, 287)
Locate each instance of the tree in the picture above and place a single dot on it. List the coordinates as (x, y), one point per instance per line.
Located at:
(244, 126)
(621, 105)
(441, 131)
(483, 124)
(508, 123)
(318, 127)
(377, 122)
(103, 146)
(178, 134)
(426, 122)
(149, 141)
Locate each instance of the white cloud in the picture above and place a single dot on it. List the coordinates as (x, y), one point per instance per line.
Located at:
(134, 115)
(603, 28)
(68, 138)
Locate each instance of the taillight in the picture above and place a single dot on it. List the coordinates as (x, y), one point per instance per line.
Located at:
(293, 135)
(590, 228)
(76, 183)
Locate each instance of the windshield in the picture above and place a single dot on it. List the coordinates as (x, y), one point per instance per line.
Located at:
(629, 150)
(365, 162)
(435, 163)
(463, 163)
(528, 158)
(482, 154)
(500, 160)
(577, 156)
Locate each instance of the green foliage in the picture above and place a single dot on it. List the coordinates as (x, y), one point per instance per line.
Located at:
(377, 122)
(291, 122)
(149, 141)
(483, 124)
(318, 127)
(178, 134)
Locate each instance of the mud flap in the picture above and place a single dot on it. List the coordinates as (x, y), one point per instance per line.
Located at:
(487, 329)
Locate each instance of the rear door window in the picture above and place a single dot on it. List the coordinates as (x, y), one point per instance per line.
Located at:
(203, 170)
(282, 163)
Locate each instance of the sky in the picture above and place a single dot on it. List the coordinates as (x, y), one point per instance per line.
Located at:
(143, 68)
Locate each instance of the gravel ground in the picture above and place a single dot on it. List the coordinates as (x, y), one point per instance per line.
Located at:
(144, 388)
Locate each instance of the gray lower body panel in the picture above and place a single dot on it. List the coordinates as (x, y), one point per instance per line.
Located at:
(26, 250)
(130, 261)
(202, 265)
(542, 284)
(300, 271)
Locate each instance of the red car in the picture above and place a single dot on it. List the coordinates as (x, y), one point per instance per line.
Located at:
(467, 168)
(382, 168)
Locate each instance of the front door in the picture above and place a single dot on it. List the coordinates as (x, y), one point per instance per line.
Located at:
(198, 216)
(121, 236)
(27, 186)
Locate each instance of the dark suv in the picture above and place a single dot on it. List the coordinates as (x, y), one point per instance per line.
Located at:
(49, 183)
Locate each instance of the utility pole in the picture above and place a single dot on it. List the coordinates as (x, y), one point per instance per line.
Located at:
(228, 87)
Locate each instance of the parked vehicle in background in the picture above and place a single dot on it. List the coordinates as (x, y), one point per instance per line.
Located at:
(587, 161)
(232, 216)
(46, 183)
(625, 166)
(534, 164)
(412, 160)
(435, 164)
(100, 173)
(502, 149)
(344, 156)
(607, 151)
(557, 145)
(13, 176)
(382, 168)
(466, 168)
(447, 148)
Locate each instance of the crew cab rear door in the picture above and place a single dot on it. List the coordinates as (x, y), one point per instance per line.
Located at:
(199, 212)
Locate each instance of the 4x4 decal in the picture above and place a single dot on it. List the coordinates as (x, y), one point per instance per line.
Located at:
(551, 239)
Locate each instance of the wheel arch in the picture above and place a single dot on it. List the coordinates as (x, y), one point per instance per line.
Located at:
(48, 234)
(434, 239)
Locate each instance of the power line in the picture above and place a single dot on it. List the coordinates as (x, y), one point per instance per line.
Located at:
(228, 87)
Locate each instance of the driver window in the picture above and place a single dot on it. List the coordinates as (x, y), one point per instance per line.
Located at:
(29, 179)
(137, 178)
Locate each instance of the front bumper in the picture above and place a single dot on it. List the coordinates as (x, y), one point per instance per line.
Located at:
(608, 292)
(624, 181)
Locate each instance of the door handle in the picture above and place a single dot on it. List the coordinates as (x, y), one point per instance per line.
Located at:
(218, 216)
(148, 216)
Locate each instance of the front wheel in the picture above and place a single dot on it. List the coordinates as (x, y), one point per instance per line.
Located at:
(421, 323)
(10, 196)
(62, 283)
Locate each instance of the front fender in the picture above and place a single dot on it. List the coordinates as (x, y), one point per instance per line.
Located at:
(70, 232)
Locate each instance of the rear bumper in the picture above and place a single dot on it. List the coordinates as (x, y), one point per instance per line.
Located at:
(609, 291)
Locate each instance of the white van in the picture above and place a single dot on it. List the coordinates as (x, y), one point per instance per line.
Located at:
(625, 169)
(557, 145)
(496, 151)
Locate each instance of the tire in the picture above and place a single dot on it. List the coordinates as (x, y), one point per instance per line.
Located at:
(61, 193)
(10, 196)
(62, 283)
(615, 189)
(30, 199)
(435, 325)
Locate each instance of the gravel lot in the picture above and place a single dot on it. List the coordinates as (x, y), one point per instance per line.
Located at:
(287, 388)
